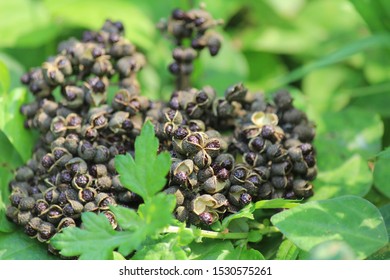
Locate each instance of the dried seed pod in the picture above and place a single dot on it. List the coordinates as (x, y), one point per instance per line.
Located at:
(311, 174)
(77, 166)
(178, 194)
(181, 213)
(295, 154)
(202, 159)
(74, 96)
(254, 159)
(281, 169)
(111, 218)
(54, 214)
(202, 203)
(236, 93)
(24, 173)
(213, 147)
(265, 190)
(300, 167)
(264, 172)
(238, 175)
(81, 181)
(26, 203)
(45, 231)
(98, 170)
(204, 174)
(48, 161)
(32, 227)
(257, 144)
(41, 207)
(213, 185)
(72, 209)
(23, 217)
(103, 201)
(49, 107)
(62, 156)
(87, 194)
(51, 195)
(12, 213)
(64, 223)
(102, 154)
(302, 188)
(209, 218)
(279, 182)
(283, 100)
(238, 196)
(86, 150)
(91, 207)
(103, 183)
(225, 161)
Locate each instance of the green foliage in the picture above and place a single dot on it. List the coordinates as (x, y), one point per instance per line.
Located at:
(348, 218)
(146, 174)
(381, 171)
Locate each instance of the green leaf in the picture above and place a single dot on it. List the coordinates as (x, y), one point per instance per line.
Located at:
(96, 241)
(5, 225)
(210, 250)
(350, 219)
(146, 174)
(351, 178)
(385, 210)
(276, 203)
(287, 251)
(127, 218)
(373, 12)
(381, 172)
(11, 122)
(118, 257)
(382, 254)
(161, 251)
(5, 79)
(380, 40)
(332, 250)
(78, 13)
(246, 212)
(244, 253)
(340, 135)
(18, 246)
(156, 213)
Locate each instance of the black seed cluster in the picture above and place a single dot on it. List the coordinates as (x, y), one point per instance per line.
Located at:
(226, 151)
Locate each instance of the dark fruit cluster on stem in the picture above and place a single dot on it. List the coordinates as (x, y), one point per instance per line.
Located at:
(227, 150)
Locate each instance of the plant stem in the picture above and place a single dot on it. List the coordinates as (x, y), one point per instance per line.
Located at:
(209, 234)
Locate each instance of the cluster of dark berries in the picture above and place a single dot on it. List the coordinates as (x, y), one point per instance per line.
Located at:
(226, 151)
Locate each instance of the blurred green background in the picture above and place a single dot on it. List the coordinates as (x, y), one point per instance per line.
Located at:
(331, 54)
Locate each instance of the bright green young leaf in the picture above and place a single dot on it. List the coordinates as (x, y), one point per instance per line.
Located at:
(276, 203)
(11, 122)
(381, 172)
(5, 79)
(146, 174)
(211, 250)
(349, 218)
(246, 212)
(372, 12)
(243, 253)
(351, 178)
(127, 218)
(96, 241)
(161, 251)
(118, 256)
(156, 213)
(287, 251)
(18, 246)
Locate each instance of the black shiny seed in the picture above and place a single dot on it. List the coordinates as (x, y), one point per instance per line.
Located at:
(201, 97)
(193, 139)
(87, 195)
(306, 148)
(310, 160)
(119, 25)
(223, 174)
(180, 177)
(239, 173)
(88, 36)
(68, 210)
(81, 180)
(47, 161)
(99, 86)
(174, 68)
(254, 179)
(245, 198)
(29, 230)
(66, 176)
(174, 103)
(178, 14)
(206, 218)
(40, 207)
(99, 121)
(250, 158)
(58, 153)
(180, 133)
